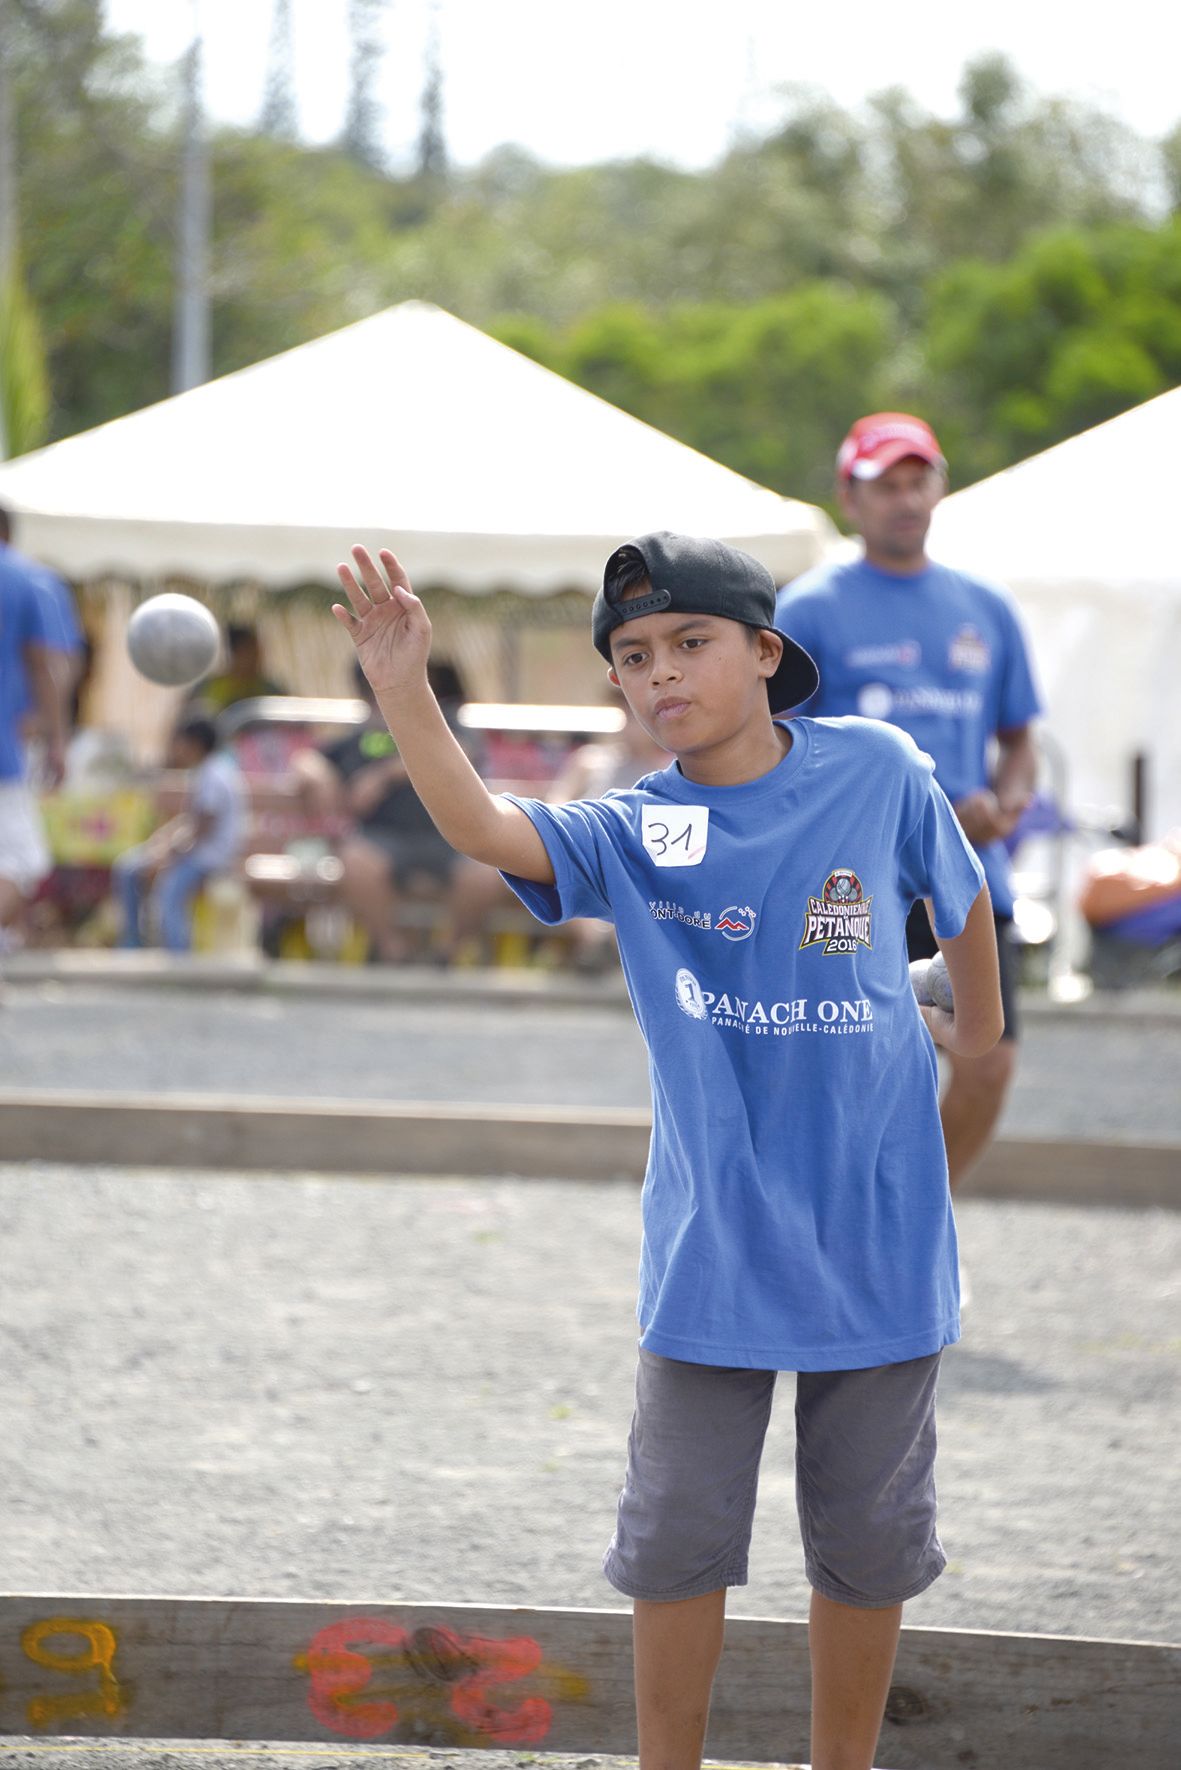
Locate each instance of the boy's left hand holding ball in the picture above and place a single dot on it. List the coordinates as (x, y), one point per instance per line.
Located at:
(932, 989)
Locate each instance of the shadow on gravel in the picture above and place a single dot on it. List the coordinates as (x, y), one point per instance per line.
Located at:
(964, 1372)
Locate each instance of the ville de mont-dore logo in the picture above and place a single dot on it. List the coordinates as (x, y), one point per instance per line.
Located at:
(839, 920)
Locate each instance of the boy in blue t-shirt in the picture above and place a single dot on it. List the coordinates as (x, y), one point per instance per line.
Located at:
(796, 1213)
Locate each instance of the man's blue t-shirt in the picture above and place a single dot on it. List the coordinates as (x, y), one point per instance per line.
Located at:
(939, 653)
(24, 620)
(796, 1209)
(62, 627)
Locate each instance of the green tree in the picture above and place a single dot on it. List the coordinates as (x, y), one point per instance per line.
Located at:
(768, 388)
(1079, 326)
(24, 378)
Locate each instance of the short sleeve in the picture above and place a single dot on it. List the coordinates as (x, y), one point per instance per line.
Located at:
(938, 861)
(1019, 700)
(575, 838)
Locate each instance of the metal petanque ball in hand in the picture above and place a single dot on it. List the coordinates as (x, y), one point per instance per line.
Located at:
(173, 639)
(931, 984)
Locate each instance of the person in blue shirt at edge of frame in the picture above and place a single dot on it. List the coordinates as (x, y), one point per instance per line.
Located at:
(796, 1213)
(941, 654)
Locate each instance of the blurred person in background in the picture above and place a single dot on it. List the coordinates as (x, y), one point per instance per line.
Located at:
(65, 639)
(941, 654)
(604, 766)
(244, 677)
(32, 677)
(166, 872)
(394, 848)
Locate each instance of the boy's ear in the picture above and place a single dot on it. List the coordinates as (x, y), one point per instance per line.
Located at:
(612, 678)
(770, 650)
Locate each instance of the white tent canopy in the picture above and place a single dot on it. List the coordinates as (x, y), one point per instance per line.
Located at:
(1086, 537)
(482, 469)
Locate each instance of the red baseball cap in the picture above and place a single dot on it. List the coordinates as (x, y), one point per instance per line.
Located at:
(875, 443)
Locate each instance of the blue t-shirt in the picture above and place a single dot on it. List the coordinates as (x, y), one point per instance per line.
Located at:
(939, 653)
(24, 620)
(62, 627)
(796, 1211)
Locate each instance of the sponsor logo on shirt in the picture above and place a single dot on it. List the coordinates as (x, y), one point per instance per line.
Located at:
(906, 653)
(736, 922)
(664, 910)
(780, 1020)
(969, 651)
(690, 999)
(877, 701)
(675, 835)
(840, 918)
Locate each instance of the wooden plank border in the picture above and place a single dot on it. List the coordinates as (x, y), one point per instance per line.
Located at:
(560, 1680)
(323, 1136)
(577, 1143)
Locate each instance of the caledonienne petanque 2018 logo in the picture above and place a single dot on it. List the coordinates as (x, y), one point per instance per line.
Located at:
(839, 919)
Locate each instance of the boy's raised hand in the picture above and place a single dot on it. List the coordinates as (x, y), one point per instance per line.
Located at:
(386, 622)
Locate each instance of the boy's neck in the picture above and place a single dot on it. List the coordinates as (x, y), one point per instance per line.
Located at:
(743, 757)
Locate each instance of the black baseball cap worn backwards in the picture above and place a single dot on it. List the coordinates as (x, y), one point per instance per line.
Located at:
(691, 575)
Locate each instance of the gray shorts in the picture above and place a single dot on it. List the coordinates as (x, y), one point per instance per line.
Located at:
(865, 1480)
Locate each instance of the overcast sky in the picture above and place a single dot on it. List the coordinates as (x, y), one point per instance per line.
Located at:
(673, 78)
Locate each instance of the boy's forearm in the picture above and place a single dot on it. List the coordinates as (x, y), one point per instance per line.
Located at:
(974, 974)
(462, 809)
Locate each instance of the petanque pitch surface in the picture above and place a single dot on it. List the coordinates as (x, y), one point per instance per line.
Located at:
(1083, 1077)
(419, 1389)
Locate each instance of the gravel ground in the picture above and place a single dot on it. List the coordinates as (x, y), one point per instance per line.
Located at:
(1091, 1077)
(224, 1384)
(420, 1390)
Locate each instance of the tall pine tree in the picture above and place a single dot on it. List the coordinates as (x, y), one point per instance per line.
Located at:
(432, 146)
(362, 125)
(278, 116)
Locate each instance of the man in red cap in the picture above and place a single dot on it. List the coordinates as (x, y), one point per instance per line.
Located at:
(941, 654)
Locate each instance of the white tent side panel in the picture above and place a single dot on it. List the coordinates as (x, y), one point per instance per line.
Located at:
(1084, 535)
(86, 549)
(1109, 662)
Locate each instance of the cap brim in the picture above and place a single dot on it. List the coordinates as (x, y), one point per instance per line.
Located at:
(890, 455)
(796, 679)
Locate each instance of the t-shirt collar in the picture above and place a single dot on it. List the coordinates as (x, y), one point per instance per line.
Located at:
(672, 782)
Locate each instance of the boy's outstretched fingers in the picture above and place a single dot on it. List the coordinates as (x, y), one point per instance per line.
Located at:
(395, 569)
(376, 586)
(360, 601)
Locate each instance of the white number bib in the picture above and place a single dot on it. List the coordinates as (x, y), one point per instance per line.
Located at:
(675, 835)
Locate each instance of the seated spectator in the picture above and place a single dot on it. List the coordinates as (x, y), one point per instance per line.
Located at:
(394, 845)
(1131, 900)
(612, 764)
(244, 677)
(169, 868)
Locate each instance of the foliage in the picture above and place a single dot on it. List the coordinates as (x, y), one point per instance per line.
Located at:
(24, 381)
(1075, 329)
(1012, 271)
(762, 386)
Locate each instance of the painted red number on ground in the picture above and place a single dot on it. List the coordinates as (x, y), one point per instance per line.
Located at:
(338, 1675)
(455, 1676)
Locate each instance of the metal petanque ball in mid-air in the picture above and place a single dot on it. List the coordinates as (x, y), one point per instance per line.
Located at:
(173, 639)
